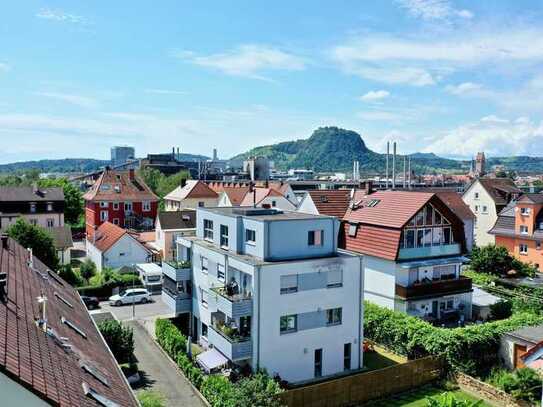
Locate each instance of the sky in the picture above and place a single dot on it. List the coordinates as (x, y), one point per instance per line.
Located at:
(448, 77)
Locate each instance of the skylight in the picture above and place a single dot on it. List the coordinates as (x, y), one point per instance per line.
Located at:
(373, 202)
(93, 371)
(99, 398)
(55, 277)
(73, 326)
(64, 300)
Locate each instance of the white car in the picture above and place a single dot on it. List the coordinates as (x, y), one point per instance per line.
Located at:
(132, 295)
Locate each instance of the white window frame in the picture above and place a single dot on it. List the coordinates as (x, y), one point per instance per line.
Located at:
(334, 316)
(523, 229)
(128, 207)
(146, 206)
(49, 206)
(208, 230)
(33, 207)
(523, 249)
(250, 233)
(291, 324)
(316, 242)
(104, 216)
(224, 238)
(104, 204)
(221, 272)
(204, 264)
(115, 206)
(525, 211)
(116, 221)
(50, 222)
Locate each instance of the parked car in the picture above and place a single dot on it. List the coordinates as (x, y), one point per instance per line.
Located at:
(90, 302)
(132, 295)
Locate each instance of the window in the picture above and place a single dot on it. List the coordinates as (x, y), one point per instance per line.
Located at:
(201, 204)
(220, 272)
(437, 236)
(314, 237)
(333, 316)
(427, 237)
(274, 204)
(204, 330)
(347, 356)
(318, 362)
(409, 238)
(250, 236)
(420, 237)
(437, 218)
(373, 202)
(204, 265)
(116, 221)
(104, 204)
(429, 212)
(485, 209)
(419, 218)
(33, 222)
(32, 207)
(447, 235)
(224, 236)
(353, 227)
(146, 205)
(476, 208)
(128, 206)
(203, 299)
(115, 206)
(288, 324)
(50, 222)
(208, 229)
(103, 216)
(525, 211)
(93, 371)
(476, 195)
(73, 326)
(49, 207)
(289, 284)
(334, 278)
(445, 272)
(538, 244)
(523, 229)
(523, 248)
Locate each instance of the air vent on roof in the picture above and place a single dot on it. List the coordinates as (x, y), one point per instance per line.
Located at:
(64, 300)
(101, 399)
(324, 198)
(73, 326)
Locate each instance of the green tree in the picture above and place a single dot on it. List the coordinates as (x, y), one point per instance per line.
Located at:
(168, 184)
(258, 390)
(501, 310)
(491, 259)
(152, 177)
(73, 198)
(87, 269)
(36, 238)
(69, 275)
(120, 340)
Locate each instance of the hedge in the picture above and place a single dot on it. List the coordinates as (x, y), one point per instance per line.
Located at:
(217, 389)
(472, 350)
(103, 292)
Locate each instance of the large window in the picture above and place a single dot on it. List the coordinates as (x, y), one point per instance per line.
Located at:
(220, 272)
(445, 272)
(208, 229)
(333, 316)
(318, 363)
(523, 248)
(289, 284)
(436, 230)
(224, 236)
(288, 324)
(250, 236)
(346, 356)
(315, 237)
(334, 278)
(146, 206)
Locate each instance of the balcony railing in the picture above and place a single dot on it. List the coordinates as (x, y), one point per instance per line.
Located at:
(232, 346)
(434, 288)
(177, 270)
(429, 251)
(234, 306)
(177, 302)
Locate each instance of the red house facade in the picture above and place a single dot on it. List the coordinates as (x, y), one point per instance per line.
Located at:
(122, 198)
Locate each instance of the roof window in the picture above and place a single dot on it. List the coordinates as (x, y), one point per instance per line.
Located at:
(64, 300)
(73, 326)
(373, 202)
(324, 198)
(99, 398)
(93, 371)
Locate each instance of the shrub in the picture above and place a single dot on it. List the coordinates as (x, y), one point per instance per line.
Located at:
(87, 269)
(219, 392)
(148, 398)
(501, 310)
(522, 384)
(449, 400)
(69, 275)
(120, 340)
(496, 260)
(36, 238)
(473, 349)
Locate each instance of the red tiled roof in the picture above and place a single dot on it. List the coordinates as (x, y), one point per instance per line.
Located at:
(373, 241)
(146, 237)
(331, 202)
(261, 194)
(236, 194)
(394, 208)
(192, 189)
(107, 235)
(455, 202)
(131, 188)
(35, 359)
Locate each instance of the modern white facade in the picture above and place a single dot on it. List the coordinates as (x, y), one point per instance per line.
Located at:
(270, 289)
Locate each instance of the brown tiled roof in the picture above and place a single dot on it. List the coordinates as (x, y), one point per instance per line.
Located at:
(374, 241)
(37, 360)
(185, 219)
(393, 209)
(62, 236)
(455, 202)
(331, 202)
(29, 194)
(107, 235)
(261, 194)
(532, 198)
(499, 189)
(192, 189)
(130, 188)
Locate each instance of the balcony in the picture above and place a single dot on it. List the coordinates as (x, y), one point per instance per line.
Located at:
(434, 288)
(230, 345)
(177, 302)
(177, 270)
(233, 305)
(429, 251)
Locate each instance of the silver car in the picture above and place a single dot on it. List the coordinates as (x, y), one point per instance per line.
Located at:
(130, 296)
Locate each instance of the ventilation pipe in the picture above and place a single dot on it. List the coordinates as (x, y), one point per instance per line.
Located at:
(394, 165)
(409, 172)
(404, 173)
(386, 168)
(42, 301)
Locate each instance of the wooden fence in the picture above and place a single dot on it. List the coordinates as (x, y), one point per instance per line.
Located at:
(361, 387)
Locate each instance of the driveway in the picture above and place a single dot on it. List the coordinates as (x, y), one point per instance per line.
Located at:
(152, 310)
(159, 373)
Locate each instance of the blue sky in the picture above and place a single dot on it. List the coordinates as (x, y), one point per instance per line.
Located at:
(437, 76)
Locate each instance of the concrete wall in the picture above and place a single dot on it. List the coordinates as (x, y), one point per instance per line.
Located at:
(485, 221)
(380, 281)
(507, 349)
(307, 205)
(189, 203)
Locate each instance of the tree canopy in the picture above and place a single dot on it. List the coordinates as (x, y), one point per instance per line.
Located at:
(36, 238)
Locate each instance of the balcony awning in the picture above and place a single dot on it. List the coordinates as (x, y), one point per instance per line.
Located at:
(433, 262)
(211, 359)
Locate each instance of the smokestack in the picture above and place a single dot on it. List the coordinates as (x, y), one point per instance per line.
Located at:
(404, 173)
(386, 171)
(131, 174)
(178, 156)
(394, 165)
(409, 169)
(215, 157)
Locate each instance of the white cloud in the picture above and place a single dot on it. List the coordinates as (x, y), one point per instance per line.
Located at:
(77, 100)
(247, 60)
(494, 119)
(374, 95)
(165, 92)
(59, 15)
(433, 9)
(463, 88)
(494, 137)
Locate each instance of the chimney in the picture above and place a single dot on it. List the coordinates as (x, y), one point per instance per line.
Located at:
(131, 174)
(394, 165)
(30, 258)
(386, 170)
(42, 322)
(215, 157)
(5, 241)
(183, 182)
(404, 173)
(368, 187)
(178, 153)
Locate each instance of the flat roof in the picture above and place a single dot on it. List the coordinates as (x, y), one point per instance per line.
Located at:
(263, 214)
(532, 334)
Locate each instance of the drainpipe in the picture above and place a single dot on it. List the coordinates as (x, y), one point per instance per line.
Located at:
(361, 305)
(257, 273)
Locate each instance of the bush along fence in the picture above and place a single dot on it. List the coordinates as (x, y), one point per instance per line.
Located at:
(256, 390)
(472, 350)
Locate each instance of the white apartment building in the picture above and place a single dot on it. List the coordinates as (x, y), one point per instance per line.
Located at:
(270, 289)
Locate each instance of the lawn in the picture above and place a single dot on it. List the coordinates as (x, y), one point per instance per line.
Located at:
(418, 397)
(381, 358)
